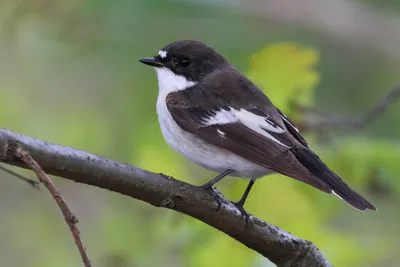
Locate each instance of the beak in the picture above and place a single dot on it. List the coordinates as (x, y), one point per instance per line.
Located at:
(151, 61)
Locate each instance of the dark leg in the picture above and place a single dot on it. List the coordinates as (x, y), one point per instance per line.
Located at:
(242, 200)
(218, 178)
(209, 186)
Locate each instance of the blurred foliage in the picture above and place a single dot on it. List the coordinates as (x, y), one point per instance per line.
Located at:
(287, 72)
(69, 74)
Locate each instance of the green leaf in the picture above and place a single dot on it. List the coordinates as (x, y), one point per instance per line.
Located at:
(286, 72)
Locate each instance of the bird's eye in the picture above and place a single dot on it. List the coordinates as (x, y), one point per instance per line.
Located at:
(184, 62)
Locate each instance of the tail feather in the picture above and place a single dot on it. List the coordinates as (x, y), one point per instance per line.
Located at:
(339, 188)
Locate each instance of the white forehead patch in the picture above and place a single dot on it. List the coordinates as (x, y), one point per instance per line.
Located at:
(162, 53)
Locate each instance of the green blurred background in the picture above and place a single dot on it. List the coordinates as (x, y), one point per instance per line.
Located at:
(69, 74)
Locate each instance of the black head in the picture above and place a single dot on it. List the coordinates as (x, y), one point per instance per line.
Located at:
(188, 58)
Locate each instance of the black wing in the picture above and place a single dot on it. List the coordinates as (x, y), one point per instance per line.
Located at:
(292, 129)
(254, 129)
(260, 139)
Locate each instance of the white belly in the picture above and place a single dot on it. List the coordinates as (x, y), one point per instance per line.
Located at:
(203, 154)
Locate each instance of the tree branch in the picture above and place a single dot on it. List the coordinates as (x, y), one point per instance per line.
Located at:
(69, 217)
(160, 190)
(326, 121)
(33, 183)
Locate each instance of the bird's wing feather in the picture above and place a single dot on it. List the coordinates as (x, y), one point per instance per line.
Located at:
(229, 111)
(248, 134)
(292, 129)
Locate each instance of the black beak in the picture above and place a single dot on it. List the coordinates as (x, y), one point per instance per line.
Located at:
(151, 61)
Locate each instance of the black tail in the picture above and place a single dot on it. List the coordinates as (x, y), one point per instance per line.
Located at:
(313, 163)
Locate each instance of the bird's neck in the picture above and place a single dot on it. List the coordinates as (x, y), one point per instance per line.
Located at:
(169, 82)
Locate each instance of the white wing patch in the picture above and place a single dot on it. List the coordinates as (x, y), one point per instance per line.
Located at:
(222, 117)
(250, 120)
(162, 53)
(259, 124)
(221, 133)
(256, 123)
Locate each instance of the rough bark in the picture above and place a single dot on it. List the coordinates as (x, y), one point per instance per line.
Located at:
(160, 190)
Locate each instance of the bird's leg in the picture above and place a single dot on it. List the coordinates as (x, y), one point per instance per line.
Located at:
(219, 177)
(209, 186)
(242, 200)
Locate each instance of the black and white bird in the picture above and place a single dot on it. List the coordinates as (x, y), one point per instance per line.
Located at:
(213, 115)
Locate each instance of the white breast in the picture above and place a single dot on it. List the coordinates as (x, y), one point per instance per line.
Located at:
(189, 145)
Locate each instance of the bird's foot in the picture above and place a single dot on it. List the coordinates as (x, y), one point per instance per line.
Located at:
(244, 213)
(217, 196)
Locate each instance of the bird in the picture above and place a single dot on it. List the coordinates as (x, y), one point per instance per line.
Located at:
(212, 114)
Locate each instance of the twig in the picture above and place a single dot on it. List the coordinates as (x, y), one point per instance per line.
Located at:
(69, 217)
(282, 248)
(29, 181)
(325, 120)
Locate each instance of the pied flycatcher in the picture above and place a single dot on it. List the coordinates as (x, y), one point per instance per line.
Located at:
(213, 115)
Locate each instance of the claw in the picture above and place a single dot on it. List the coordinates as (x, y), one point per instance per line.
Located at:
(214, 194)
(244, 213)
(209, 187)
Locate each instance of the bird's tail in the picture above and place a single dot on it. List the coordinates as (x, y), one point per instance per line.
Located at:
(339, 188)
